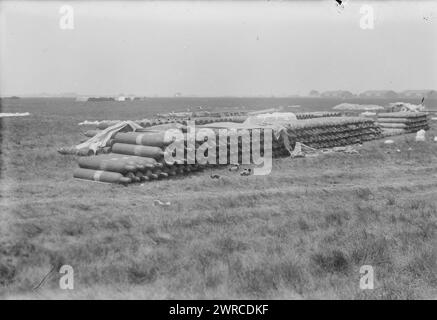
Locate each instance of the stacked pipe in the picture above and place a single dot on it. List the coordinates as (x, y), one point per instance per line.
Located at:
(101, 125)
(317, 114)
(147, 123)
(116, 168)
(237, 117)
(395, 123)
(317, 133)
(133, 157)
(332, 131)
(206, 120)
(242, 118)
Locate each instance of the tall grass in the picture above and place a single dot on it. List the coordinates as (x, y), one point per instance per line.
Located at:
(302, 232)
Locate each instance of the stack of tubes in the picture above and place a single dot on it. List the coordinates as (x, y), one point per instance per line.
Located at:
(318, 133)
(133, 157)
(332, 132)
(145, 123)
(396, 123)
(140, 156)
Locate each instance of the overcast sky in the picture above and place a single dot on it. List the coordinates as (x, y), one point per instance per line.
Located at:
(216, 48)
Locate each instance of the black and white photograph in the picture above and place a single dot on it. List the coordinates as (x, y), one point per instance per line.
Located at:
(231, 152)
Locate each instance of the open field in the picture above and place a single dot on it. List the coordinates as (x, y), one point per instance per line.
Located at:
(302, 232)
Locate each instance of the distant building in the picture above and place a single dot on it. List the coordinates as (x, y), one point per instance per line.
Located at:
(100, 99)
(120, 98)
(339, 94)
(386, 94)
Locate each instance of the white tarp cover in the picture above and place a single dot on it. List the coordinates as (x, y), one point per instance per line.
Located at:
(275, 118)
(87, 122)
(358, 107)
(277, 122)
(409, 107)
(17, 114)
(100, 139)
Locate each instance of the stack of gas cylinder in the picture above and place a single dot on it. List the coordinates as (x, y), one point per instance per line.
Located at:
(238, 118)
(395, 123)
(134, 157)
(317, 114)
(332, 132)
(143, 155)
(146, 123)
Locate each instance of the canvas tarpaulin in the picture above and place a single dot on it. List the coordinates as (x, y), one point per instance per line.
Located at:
(101, 138)
(277, 122)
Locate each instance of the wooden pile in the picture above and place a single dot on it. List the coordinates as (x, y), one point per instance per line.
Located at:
(395, 123)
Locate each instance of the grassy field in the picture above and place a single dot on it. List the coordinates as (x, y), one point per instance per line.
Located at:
(302, 232)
